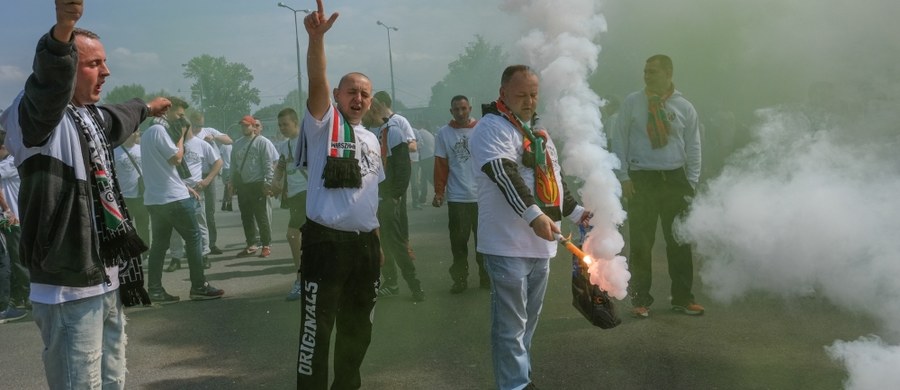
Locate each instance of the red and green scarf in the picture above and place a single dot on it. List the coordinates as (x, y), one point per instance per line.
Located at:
(658, 124)
(536, 157)
(341, 165)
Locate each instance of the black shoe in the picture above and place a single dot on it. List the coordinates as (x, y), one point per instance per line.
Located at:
(206, 264)
(418, 296)
(214, 250)
(174, 265)
(163, 298)
(206, 292)
(24, 303)
(459, 286)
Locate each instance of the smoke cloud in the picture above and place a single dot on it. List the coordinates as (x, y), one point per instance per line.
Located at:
(562, 48)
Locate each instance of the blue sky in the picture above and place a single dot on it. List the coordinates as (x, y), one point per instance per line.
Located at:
(147, 41)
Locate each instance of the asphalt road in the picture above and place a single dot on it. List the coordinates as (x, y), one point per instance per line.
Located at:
(249, 339)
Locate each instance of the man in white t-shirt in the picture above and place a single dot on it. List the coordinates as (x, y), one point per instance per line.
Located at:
(131, 180)
(291, 184)
(454, 182)
(217, 139)
(203, 162)
(341, 254)
(521, 199)
(171, 204)
(397, 140)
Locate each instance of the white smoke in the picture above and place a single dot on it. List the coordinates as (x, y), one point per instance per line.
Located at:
(562, 49)
(811, 207)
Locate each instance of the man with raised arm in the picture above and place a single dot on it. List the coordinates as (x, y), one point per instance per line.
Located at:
(341, 254)
(78, 240)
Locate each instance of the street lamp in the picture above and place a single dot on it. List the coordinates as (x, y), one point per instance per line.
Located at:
(297, 36)
(390, 57)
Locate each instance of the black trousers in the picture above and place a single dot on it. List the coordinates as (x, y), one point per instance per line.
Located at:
(254, 213)
(209, 196)
(463, 222)
(659, 196)
(395, 244)
(339, 272)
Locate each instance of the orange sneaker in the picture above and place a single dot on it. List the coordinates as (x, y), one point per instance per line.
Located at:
(691, 309)
(640, 312)
(265, 252)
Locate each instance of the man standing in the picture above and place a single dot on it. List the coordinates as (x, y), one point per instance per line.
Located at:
(424, 172)
(291, 182)
(251, 179)
(521, 199)
(657, 139)
(85, 265)
(454, 181)
(131, 180)
(11, 231)
(397, 139)
(341, 252)
(172, 204)
(215, 138)
(200, 157)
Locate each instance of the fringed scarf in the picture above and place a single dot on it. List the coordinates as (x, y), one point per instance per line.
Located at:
(536, 157)
(119, 243)
(658, 124)
(341, 165)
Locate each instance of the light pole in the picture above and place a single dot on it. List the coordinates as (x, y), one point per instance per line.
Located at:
(297, 36)
(390, 57)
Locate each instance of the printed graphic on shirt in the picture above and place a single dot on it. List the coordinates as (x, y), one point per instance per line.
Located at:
(370, 160)
(461, 149)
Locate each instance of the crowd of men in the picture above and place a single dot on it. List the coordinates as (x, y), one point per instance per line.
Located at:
(85, 194)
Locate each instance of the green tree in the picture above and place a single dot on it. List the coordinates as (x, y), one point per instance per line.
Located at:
(221, 89)
(124, 93)
(475, 74)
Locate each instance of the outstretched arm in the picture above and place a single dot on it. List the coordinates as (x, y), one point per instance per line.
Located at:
(316, 26)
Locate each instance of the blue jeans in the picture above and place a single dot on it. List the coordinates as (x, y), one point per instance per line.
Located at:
(84, 342)
(180, 215)
(517, 295)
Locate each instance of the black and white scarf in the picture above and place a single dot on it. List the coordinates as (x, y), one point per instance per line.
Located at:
(120, 244)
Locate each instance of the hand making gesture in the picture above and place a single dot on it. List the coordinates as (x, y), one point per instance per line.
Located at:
(315, 22)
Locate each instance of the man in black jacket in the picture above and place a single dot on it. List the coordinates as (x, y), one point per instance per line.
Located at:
(77, 238)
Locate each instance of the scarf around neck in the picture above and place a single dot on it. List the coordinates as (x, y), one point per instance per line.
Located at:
(119, 243)
(536, 157)
(341, 165)
(658, 124)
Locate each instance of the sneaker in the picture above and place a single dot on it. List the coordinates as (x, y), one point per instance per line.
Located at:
(294, 295)
(388, 291)
(691, 309)
(11, 314)
(174, 265)
(247, 252)
(20, 303)
(265, 252)
(640, 312)
(206, 292)
(163, 298)
(459, 286)
(418, 296)
(214, 250)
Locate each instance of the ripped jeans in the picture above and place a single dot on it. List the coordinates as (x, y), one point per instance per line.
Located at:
(84, 342)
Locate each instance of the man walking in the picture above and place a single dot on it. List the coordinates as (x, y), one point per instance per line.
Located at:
(454, 182)
(252, 171)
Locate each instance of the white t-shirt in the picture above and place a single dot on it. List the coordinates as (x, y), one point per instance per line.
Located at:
(208, 132)
(200, 157)
(161, 180)
(9, 178)
(126, 171)
(400, 132)
(453, 145)
(296, 177)
(501, 231)
(346, 209)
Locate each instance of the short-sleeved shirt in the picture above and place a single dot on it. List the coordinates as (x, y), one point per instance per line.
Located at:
(453, 145)
(200, 157)
(296, 177)
(127, 172)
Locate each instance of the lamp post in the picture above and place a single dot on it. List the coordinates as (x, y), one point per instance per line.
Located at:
(390, 57)
(297, 37)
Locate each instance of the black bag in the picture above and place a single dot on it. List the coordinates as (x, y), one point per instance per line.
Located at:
(592, 302)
